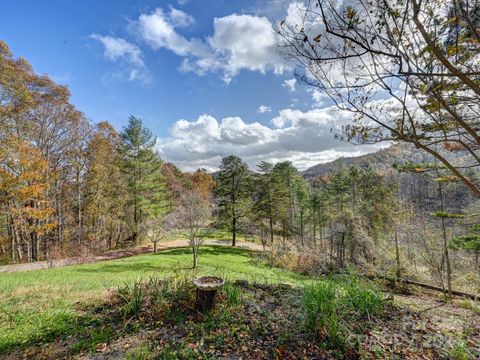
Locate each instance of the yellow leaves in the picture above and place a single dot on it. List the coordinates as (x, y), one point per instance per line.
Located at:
(451, 178)
(24, 185)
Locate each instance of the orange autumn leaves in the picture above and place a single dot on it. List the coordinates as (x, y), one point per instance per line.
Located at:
(24, 186)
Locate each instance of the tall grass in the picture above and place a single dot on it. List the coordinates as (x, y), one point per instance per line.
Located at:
(331, 306)
(155, 295)
(320, 310)
(232, 293)
(133, 297)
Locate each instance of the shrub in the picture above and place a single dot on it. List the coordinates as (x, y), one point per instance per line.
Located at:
(304, 262)
(365, 300)
(459, 350)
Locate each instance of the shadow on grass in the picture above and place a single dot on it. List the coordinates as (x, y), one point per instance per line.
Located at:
(58, 325)
(119, 268)
(146, 266)
(207, 250)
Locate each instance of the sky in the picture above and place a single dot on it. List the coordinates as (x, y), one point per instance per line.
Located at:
(205, 76)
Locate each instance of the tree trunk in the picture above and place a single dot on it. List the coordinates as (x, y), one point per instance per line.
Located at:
(234, 229)
(397, 254)
(301, 228)
(154, 247)
(195, 250)
(271, 229)
(445, 240)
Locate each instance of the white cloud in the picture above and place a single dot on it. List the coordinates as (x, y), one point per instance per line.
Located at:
(273, 9)
(180, 18)
(290, 84)
(319, 97)
(157, 29)
(238, 42)
(246, 42)
(118, 49)
(264, 109)
(305, 138)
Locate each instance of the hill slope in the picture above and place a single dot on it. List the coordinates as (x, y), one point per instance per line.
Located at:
(381, 160)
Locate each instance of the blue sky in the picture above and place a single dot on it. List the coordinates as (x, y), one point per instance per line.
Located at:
(205, 76)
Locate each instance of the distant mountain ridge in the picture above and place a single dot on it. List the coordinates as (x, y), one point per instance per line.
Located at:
(381, 160)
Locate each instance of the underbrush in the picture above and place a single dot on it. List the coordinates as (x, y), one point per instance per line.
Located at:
(250, 320)
(305, 262)
(335, 317)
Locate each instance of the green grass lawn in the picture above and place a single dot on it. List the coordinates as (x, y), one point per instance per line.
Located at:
(41, 305)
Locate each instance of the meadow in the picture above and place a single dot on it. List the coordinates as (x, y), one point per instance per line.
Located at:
(38, 306)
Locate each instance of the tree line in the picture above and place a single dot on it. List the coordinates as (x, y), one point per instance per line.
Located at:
(67, 185)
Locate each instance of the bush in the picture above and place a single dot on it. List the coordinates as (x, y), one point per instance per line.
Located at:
(459, 350)
(133, 297)
(303, 262)
(365, 300)
(320, 310)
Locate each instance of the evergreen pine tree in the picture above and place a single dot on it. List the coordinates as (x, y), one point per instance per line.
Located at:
(234, 190)
(142, 167)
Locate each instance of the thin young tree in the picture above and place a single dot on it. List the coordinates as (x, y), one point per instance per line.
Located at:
(193, 215)
(158, 228)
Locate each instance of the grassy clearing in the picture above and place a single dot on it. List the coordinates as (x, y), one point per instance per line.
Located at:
(37, 306)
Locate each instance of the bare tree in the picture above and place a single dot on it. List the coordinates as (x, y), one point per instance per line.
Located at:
(193, 215)
(157, 228)
(407, 69)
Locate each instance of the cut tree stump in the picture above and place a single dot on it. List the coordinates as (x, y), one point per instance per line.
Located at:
(206, 300)
(207, 289)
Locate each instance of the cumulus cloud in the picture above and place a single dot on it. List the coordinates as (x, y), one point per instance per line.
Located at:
(305, 138)
(246, 42)
(158, 30)
(290, 84)
(238, 42)
(132, 66)
(180, 18)
(319, 97)
(264, 109)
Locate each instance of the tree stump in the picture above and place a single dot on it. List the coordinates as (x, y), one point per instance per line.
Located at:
(206, 300)
(207, 289)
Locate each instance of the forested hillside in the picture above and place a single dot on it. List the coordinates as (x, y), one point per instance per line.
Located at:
(381, 160)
